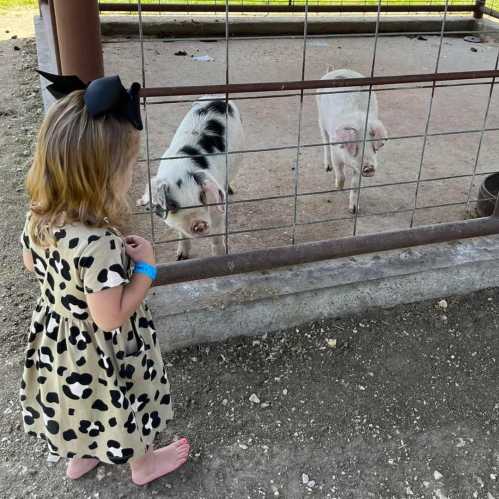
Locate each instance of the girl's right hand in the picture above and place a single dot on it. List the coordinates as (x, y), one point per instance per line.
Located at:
(139, 249)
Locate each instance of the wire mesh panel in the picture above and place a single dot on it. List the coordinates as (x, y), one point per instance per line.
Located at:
(437, 99)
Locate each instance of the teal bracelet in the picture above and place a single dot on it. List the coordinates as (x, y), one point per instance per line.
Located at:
(146, 269)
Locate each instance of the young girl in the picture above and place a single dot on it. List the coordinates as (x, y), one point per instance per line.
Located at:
(94, 385)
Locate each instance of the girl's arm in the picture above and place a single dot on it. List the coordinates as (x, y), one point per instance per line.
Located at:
(28, 260)
(111, 308)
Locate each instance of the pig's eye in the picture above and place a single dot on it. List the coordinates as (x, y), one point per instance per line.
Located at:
(202, 197)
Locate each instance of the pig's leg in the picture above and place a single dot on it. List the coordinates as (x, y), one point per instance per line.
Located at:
(339, 170)
(352, 206)
(184, 248)
(327, 157)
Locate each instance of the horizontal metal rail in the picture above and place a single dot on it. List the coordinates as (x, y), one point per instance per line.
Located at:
(285, 8)
(259, 260)
(283, 86)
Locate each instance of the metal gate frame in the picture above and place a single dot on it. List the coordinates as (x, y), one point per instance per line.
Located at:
(478, 8)
(266, 259)
(270, 258)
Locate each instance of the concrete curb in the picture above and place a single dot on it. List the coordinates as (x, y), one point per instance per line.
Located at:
(260, 302)
(199, 26)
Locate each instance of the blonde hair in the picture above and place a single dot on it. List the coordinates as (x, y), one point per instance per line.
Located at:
(78, 165)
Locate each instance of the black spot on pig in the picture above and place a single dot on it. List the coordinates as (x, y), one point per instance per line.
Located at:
(215, 127)
(196, 156)
(216, 106)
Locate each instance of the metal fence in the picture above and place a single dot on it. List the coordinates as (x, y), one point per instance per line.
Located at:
(347, 246)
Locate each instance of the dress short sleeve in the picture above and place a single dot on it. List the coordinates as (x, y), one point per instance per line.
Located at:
(102, 264)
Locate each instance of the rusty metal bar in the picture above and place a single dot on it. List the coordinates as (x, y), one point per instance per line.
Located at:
(220, 7)
(283, 86)
(313, 94)
(478, 10)
(252, 261)
(79, 38)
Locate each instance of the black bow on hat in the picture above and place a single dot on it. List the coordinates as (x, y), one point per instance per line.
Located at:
(102, 96)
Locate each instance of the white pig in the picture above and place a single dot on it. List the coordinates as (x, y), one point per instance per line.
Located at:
(198, 179)
(342, 118)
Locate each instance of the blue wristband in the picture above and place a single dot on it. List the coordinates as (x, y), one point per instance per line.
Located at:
(146, 269)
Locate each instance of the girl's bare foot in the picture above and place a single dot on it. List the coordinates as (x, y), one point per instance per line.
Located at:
(78, 467)
(160, 462)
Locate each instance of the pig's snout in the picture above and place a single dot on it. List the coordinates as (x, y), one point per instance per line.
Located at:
(199, 227)
(368, 170)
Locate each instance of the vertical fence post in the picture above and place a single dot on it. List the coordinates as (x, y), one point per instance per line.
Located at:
(479, 6)
(79, 38)
(46, 8)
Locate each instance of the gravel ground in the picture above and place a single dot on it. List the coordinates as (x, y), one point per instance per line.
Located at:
(399, 403)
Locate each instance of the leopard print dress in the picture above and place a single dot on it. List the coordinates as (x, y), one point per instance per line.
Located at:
(85, 391)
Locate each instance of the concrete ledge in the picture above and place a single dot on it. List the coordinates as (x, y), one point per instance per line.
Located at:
(256, 303)
(204, 26)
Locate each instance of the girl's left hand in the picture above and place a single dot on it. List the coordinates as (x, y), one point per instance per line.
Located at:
(139, 249)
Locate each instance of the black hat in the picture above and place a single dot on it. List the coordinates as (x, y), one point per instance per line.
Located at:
(103, 96)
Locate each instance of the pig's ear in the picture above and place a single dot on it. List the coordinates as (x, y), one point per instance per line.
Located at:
(379, 134)
(214, 194)
(346, 134)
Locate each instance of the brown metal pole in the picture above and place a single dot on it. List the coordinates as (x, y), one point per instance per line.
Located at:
(282, 86)
(79, 39)
(239, 263)
(283, 8)
(478, 10)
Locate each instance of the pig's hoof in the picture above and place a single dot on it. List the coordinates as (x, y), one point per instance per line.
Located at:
(182, 256)
(230, 190)
(353, 210)
(329, 168)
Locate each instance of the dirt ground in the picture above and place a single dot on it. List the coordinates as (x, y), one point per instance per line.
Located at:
(273, 122)
(405, 406)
